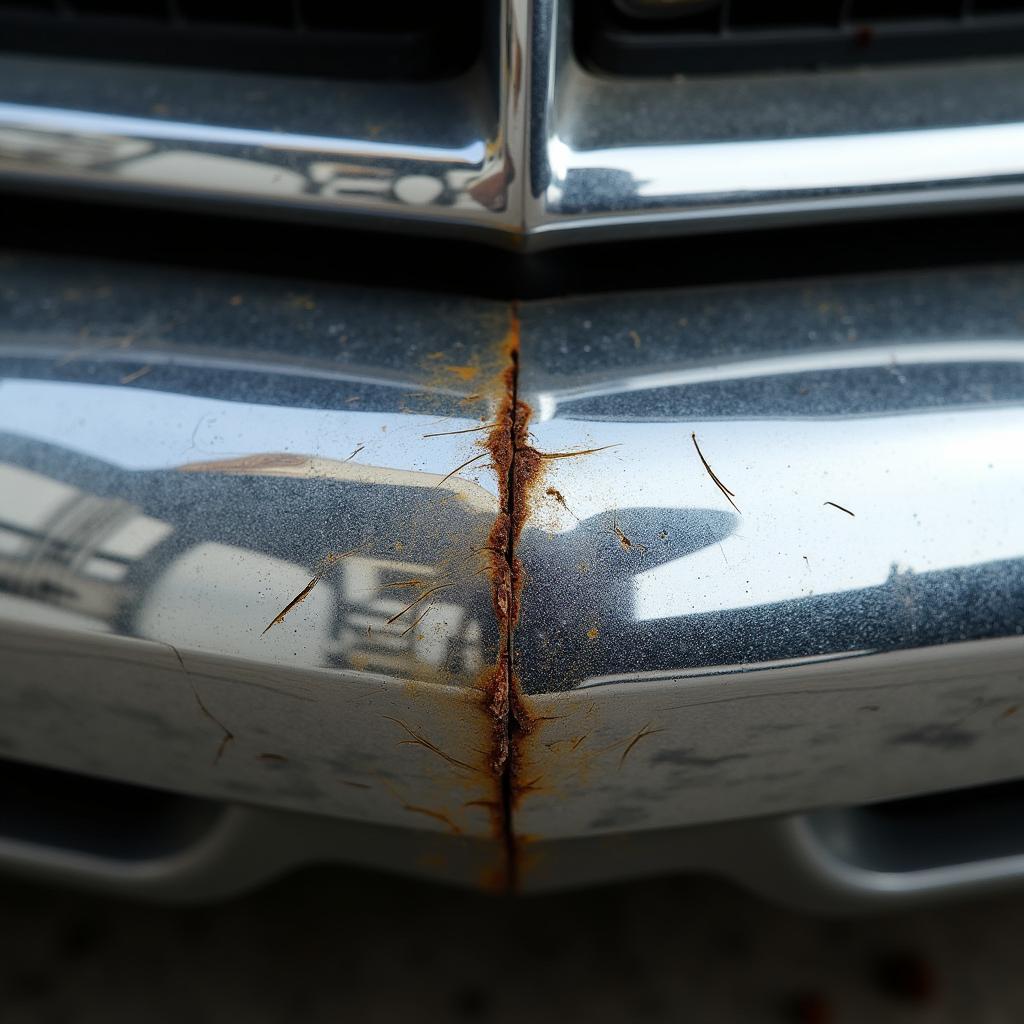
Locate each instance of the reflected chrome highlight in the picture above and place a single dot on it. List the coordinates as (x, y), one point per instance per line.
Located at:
(528, 149)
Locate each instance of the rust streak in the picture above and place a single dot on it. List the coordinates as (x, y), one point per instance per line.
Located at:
(467, 430)
(642, 734)
(518, 466)
(468, 462)
(840, 507)
(416, 739)
(416, 621)
(308, 588)
(573, 455)
(729, 495)
(553, 492)
(436, 815)
(624, 542)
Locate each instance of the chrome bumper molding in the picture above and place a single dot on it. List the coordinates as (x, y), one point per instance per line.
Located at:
(180, 455)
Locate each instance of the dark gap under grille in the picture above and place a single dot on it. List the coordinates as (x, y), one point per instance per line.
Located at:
(389, 39)
(964, 826)
(80, 814)
(659, 37)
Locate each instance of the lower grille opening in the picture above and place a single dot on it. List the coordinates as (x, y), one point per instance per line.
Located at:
(80, 814)
(940, 830)
(395, 39)
(661, 37)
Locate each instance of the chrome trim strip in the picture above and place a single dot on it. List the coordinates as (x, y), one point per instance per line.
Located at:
(529, 149)
(76, 122)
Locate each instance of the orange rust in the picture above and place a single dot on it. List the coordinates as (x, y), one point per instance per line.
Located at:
(301, 596)
(553, 492)
(421, 741)
(465, 430)
(436, 815)
(469, 372)
(623, 539)
(518, 467)
(448, 476)
(573, 455)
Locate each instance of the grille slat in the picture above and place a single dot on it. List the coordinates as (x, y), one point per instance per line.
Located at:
(625, 36)
(399, 39)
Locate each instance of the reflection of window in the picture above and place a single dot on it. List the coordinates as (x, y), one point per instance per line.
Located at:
(68, 548)
(66, 551)
(435, 632)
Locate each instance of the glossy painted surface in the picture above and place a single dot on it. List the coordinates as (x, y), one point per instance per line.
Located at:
(529, 148)
(181, 454)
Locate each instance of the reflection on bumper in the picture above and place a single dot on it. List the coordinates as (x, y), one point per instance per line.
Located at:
(177, 461)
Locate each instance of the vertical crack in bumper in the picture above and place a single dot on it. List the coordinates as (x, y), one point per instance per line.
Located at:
(572, 642)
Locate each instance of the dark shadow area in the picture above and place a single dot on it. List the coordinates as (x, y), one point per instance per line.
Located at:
(342, 945)
(319, 249)
(98, 817)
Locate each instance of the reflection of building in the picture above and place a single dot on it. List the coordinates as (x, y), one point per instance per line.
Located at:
(113, 566)
(68, 548)
(367, 639)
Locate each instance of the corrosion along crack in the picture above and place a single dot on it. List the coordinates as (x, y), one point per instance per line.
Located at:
(518, 467)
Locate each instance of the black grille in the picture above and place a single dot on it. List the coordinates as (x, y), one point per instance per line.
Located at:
(648, 37)
(395, 39)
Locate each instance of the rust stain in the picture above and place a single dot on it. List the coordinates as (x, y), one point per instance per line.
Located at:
(729, 495)
(448, 476)
(573, 455)
(553, 492)
(436, 815)
(624, 542)
(642, 734)
(301, 596)
(467, 373)
(417, 739)
(519, 468)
